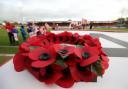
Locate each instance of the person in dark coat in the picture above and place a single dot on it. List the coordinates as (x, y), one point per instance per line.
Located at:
(23, 32)
(9, 27)
(91, 25)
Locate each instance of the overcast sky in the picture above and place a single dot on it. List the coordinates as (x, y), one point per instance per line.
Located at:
(26, 10)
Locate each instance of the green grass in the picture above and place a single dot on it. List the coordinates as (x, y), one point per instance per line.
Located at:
(8, 50)
(111, 29)
(4, 40)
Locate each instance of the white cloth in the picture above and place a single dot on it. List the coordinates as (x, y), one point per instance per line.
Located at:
(15, 36)
(116, 77)
(31, 34)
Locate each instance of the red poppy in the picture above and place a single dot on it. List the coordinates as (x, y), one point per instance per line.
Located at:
(50, 74)
(82, 73)
(35, 41)
(24, 47)
(104, 62)
(42, 57)
(62, 58)
(88, 40)
(19, 62)
(103, 53)
(66, 80)
(75, 73)
(60, 38)
(75, 38)
(64, 50)
(34, 71)
(51, 37)
(64, 37)
(97, 43)
(88, 54)
(80, 41)
(72, 60)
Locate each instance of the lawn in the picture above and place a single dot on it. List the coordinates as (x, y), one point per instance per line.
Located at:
(110, 29)
(8, 50)
(4, 40)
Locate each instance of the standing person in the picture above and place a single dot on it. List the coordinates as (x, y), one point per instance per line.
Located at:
(42, 30)
(91, 25)
(72, 25)
(23, 32)
(15, 34)
(84, 23)
(57, 27)
(38, 33)
(47, 27)
(30, 30)
(8, 26)
(53, 26)
(35, 29)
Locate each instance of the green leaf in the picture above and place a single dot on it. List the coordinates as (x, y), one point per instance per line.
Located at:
(97, 68)
(60, 62)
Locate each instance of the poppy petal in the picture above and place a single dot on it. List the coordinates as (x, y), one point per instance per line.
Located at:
(41, 64)
(42, 71)
(34, 73)
(89, 61)
(75, 73)
(34, 55)
(53, 78)
(24, 47)
(78, 53)
(65, 82)
(19, 62)
(93, 51)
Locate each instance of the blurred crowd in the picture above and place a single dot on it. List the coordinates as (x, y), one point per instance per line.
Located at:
(33, 29)
(80, 24)
(29, 30)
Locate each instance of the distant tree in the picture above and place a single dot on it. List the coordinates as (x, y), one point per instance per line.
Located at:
(126, 22)
(121, 22)
(126, 18)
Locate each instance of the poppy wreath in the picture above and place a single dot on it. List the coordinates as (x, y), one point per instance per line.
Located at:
(62, 59)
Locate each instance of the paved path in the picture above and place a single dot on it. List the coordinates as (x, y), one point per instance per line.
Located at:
(114, 52)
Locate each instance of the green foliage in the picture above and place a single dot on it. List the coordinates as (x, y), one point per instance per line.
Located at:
(60, 61)
(122, 22)
(97, 68)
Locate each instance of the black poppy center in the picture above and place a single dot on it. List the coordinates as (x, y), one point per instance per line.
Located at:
(44, 56)
(86, 55)
(35, 69)
(81, 68)
(63, 51)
